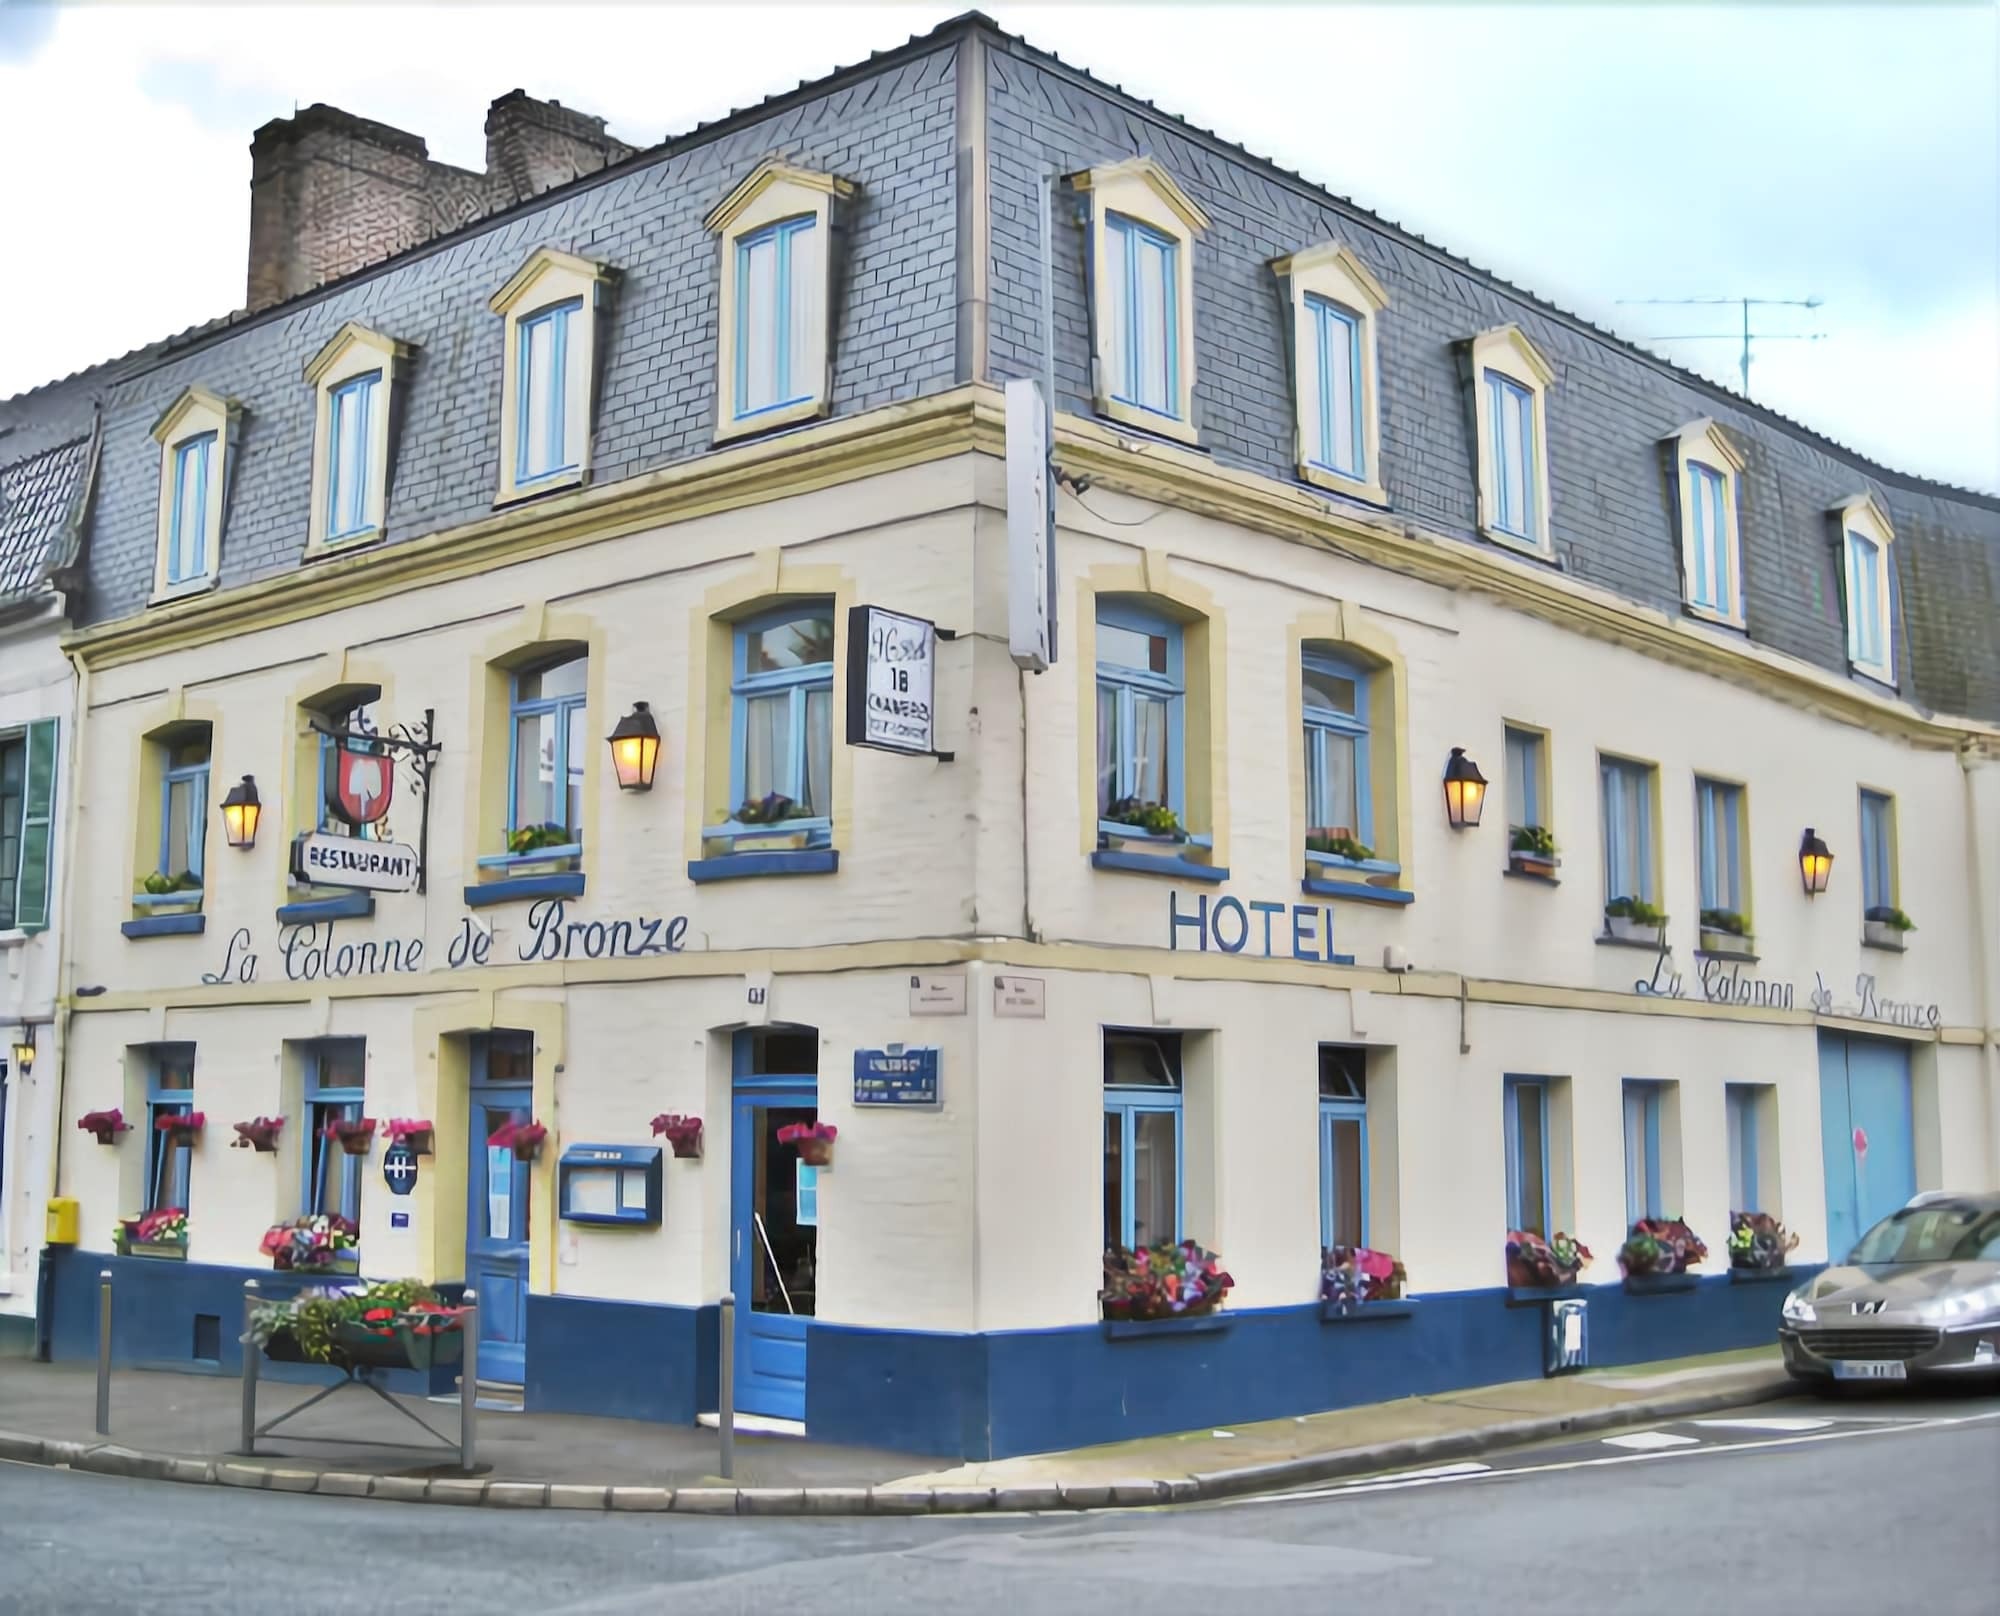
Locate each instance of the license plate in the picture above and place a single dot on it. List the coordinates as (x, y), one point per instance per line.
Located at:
(1869, 1369)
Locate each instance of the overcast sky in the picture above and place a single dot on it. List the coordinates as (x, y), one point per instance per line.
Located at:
(1589, 154)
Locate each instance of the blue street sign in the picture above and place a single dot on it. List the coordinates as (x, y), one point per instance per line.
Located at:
(399, 1220)
(895, 1077)
(399, 1168)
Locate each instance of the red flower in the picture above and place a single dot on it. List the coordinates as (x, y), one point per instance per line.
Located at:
(376, 1315)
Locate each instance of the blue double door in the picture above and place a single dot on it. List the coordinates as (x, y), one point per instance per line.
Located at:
(774, 1219)
(1867, 1135)
(497, 1206)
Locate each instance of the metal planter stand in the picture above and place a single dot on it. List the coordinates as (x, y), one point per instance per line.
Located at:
(358, 1375)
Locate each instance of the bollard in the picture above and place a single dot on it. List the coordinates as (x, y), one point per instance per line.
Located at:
(251, 1355)
(725, 1411)
(468, 1385)
(104, 1352)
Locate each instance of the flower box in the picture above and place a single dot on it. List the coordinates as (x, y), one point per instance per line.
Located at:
(813, 1139)
(259, 1134)
(1364, 1312)
(160, 1250)
(104, 1126)
(1659, 1249)
(1129, 1329)
(1742, 1275)
(1167, 1282)
(1758, 1243)
(322, 1243)
(1880, 934)
(1543, 866)
(160, 1233)
(523, 1138)
(1660, 1284)
(405, 1343)
(683, 1133)
(1732, 944)
(417, 1133)
(1137, 841)
(353, 1134)
(1535, 1264)
(1624, 929)
(182, 1127)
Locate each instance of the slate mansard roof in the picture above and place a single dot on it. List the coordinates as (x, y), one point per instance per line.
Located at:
(43, 498)
(903, 287)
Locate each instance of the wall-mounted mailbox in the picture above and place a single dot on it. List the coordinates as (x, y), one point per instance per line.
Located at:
(612, 1184)
(1566, 1348)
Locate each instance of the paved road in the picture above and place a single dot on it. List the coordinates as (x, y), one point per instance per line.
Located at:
(1872, 1507)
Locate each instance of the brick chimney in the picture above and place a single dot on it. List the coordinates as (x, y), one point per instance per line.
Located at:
(331, 193)
(533, 146)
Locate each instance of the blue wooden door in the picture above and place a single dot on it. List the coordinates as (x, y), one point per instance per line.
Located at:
(774, 1243)
(496, 1219)
(1867, 1136)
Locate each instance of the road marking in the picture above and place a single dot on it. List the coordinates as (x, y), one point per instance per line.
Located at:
(1387, 1484)
(1438, 1473)
(1764, 1425)
(1649, 1441)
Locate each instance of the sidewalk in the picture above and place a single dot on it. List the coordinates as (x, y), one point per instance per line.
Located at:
(178, 1427)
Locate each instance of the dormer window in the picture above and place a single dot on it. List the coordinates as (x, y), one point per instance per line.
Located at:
(1865, 537)
(1333, 301)
(775, 337)
(353, 379)
(1706, 465)
(1142, 230)
(1510, 414)
(548, 371)
(196, 436)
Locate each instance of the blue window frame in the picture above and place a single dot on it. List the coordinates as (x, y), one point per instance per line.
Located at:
(1719, 826)
(1866, 640)
(777, 299)
(548, 748)
(1713, 583)
(1337, 445)
(1511, 422)
(1642, 1151)
(1343, 1145)
(1525, 1124)
(1141, 709)
(1142, 1137)
(1524, 778)
(335, 1077)
(169, 1092)
(1334, 705)
(349, 455)
(187, 526)
(781, 720)
(1144, 347)
(1741, 1102)
(542, 428)
(184, 808)
(1628, 828)
(1878, 871)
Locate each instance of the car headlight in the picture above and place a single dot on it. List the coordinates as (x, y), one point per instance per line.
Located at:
(1797, 1310)
(1963, 1305)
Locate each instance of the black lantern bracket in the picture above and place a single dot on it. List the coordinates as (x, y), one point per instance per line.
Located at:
(416, 747)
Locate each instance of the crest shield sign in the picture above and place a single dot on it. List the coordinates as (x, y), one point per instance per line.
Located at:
(360, 782)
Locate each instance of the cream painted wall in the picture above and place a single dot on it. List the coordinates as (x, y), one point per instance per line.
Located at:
(36, 682)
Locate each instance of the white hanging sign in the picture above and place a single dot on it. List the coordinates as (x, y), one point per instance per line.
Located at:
(891, 661)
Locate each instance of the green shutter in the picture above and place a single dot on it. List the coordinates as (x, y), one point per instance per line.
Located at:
(31, 908)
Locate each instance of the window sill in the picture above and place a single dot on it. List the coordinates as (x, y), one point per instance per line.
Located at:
(1533, 550)
(1727, 945)
(1660, 1284)
(1536, 1295)
(318, 549)
(1358, 891)
(738, 866)
(167, 594)
(1337, 862)
(1605, 940)
(1880, 678)
(774, 419)
(348, 906)
(513, 493)
(1165, 428)
(563, 859)
(1175, 865)
(1147, 1329)
(166, 925)
(525, 888)
(1760, 1276)
(785, 836)
(1515, 872)
(153, 1253)
(1886, 938)
(1708, 614)
(1332, 482)
(14, 936)
(1365, 1312)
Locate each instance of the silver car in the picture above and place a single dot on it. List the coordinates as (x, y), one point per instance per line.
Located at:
(1918, 1298)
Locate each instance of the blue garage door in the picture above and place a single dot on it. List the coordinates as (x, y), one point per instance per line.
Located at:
(1866, 1135)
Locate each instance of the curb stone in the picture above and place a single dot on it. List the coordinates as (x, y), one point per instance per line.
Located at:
(1276, 1476)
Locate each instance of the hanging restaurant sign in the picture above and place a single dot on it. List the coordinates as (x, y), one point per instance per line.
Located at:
(891, 660)
(352, 861)
(360, 780)
(358, 783)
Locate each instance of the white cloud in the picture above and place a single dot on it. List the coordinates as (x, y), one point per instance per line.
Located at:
(1589, 155)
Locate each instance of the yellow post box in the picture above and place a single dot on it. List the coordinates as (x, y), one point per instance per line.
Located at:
(62, 1224)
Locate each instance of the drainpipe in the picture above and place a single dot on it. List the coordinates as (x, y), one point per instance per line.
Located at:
(1984, 919)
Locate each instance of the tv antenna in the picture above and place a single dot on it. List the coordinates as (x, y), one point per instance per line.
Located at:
(1745, 336)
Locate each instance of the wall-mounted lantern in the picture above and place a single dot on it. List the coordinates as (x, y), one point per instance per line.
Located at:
(1464, 790)
(24, 1054)
(1815, 863)
(635, 748)
(240, 812)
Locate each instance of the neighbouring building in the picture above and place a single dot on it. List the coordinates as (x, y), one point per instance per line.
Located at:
(44, 498)
(1173, 939)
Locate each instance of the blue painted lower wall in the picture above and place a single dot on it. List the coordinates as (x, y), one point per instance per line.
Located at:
(970, 1396)
(629, 1360)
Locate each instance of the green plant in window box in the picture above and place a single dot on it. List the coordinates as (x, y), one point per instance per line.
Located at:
(1155, 822)
(1531, 849)
(1891, 918)
(773, 808)
(1339, 844)
(533, 838)
(1634, 920)
(185, 885)
(1724, 931)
